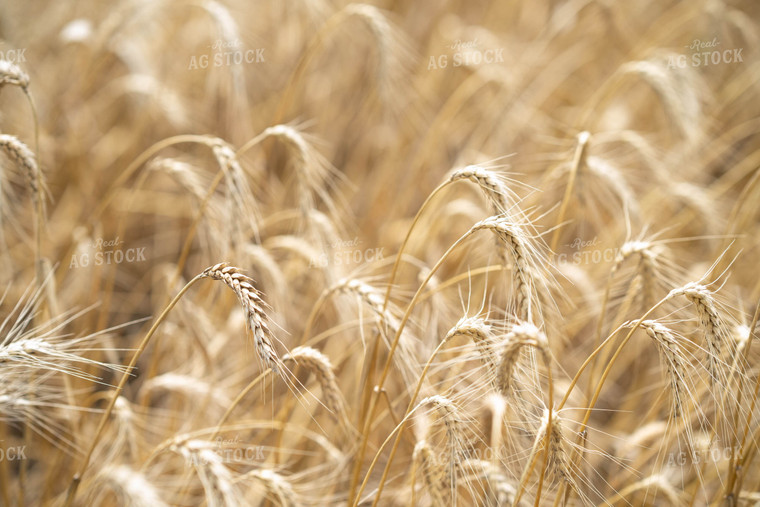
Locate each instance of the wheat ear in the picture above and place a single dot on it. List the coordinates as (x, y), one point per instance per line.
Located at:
(432, 473)
(489, 181)
(670, 352)
(500, 490)
(130, 486)
(557, 461)
(25, 160)
(713, 327)
(319, 364)
(253, 306)
(11, 74)
(277, 486)
(216, 478)
(514, 239)
(479, 331)
(520, 336)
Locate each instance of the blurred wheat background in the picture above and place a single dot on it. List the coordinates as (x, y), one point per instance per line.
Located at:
(411, 253)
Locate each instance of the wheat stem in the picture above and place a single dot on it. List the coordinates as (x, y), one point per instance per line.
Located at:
(72, 491)
(386, 368)
(737, 463)
(578, 161)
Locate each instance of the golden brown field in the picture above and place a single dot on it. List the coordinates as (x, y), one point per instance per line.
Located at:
(408, 253)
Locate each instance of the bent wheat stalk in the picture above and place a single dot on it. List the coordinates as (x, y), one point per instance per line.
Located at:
(487, 180)
(365, 425)
(256, 320)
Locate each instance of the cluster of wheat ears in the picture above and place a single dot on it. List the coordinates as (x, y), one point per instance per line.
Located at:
(412, 253)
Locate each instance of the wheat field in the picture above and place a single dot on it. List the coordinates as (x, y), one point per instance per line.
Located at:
(401, 253)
